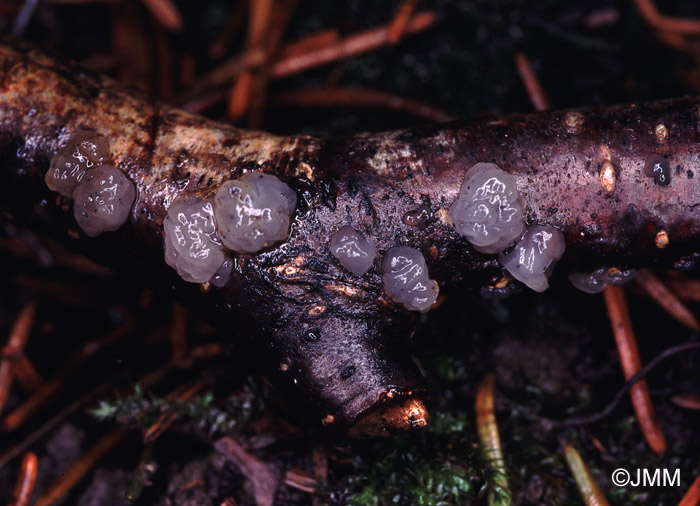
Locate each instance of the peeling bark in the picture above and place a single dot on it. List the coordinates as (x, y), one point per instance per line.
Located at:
(337, 337)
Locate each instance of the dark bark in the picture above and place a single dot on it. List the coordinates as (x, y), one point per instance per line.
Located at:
(338, 336)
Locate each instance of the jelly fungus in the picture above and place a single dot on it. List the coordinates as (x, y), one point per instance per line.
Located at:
(534, 255)
(253, 212)
(86, 149)
(406, 279)
(353, 250)
(192, 247)
(103, 200)
(489, 211)
(594, 282)
(659, 168)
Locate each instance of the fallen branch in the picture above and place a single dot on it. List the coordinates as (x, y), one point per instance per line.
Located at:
(367, 180)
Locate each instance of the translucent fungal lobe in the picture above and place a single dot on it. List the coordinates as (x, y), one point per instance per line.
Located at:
(254, 212)
(406, 279)
(103, 200)
(534, 255)
(192, 247)
(594, 282)
(68, 166)
(658, 167)
(353, 250)
(489, 212)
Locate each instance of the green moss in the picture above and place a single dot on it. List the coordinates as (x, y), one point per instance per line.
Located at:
(437, 466)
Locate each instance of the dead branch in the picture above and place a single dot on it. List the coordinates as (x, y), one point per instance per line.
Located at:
(369, 180)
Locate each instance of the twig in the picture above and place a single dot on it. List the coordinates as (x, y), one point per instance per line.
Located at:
(587, 486)
(490, 442)
(141, 477)
(631, 364)
(597, 417)
(26, 480)
(534, 89)
(692, 496)
(261, 475)
(80, 468)
(666, 299)
(349, 97)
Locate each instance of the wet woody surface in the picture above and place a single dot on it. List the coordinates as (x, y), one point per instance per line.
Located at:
(357, 358)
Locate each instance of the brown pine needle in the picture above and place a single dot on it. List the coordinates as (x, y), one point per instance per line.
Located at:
(353, 97)
(629, 360)
(349, 46)
(658, 291)
(26, 480)
(685, 289)
(178, 333)
(80, 468)
(692, 496)
(312, 42)
(166, 12)
(398, 26)
(15, 346)
(687, 401)
(26, 374)
(587, 486)
(663, 23)
(538, 97)
(301, 480)
(490, 441)
(39, 398)
(168, 418)
(292, 62)
(218, 48)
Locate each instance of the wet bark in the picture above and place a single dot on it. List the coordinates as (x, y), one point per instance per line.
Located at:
(335, 337)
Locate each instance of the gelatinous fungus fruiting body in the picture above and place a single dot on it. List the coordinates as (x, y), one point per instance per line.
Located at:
(192, 245)
(353, 250)
(534, 256)
(595, 281)
(406, 279)
(336, 338)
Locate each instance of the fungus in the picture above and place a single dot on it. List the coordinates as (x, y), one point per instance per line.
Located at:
(595, 281)
(534, 255)
(418, 217)
(103, 200)
(353, 250)
(86, 149)
(192, 247)
(489, 211)
(658, 167)
(253, 212)
(222, 275)
(406, 279)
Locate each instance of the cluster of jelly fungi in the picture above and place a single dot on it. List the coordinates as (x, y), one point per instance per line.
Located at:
(102, 194)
